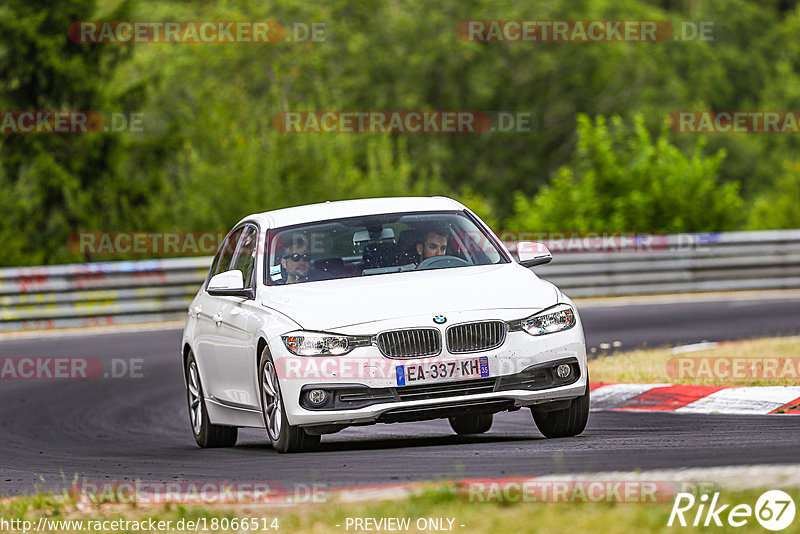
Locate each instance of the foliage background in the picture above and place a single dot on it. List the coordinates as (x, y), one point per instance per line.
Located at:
(599, 156)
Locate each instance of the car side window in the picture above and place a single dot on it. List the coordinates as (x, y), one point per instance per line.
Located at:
(245, 258)
(224, 257)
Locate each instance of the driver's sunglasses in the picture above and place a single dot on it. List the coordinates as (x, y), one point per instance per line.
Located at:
(298, 257)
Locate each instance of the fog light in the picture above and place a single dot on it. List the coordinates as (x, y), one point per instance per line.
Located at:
(563, 371)
(317, 396)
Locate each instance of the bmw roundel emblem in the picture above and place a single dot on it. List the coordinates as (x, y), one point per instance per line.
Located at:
(439, 319)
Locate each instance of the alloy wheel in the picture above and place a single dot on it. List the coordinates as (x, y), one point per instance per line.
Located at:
(195, 401)
(271, 399)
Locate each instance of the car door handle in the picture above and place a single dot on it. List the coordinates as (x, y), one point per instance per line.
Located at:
(217, 318)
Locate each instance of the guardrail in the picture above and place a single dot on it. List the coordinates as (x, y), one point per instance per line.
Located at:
(681, 263)
(98, 293)
(158, 290)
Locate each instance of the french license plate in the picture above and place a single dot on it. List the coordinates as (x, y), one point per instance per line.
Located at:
(413, 373)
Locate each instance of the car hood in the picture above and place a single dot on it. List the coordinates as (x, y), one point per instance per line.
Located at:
(330, 304)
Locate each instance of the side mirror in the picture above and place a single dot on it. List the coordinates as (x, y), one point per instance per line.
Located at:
(229, 284)
(531, 253)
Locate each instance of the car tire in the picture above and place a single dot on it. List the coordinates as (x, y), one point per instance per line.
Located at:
(471, 423)
(563, 423)
(206, 434)
(285, 438)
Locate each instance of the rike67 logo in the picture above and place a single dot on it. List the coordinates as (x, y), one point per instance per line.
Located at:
(774, 510)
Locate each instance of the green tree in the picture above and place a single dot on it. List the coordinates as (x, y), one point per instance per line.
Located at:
(55, 184)
(624, 180)
(779, 207)
(210, 153)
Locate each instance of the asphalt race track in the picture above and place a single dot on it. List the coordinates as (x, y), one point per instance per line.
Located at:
(681, 323)
(137, 428)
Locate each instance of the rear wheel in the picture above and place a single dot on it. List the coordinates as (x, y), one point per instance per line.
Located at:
(284, 437)
(471, 423)
(566, 422)
(206, 435)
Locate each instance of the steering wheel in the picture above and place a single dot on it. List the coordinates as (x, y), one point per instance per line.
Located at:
(442, 262)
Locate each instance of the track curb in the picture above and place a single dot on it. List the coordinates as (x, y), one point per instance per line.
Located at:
(698, 399)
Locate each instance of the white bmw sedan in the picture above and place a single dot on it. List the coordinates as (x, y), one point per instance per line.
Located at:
(320, 317)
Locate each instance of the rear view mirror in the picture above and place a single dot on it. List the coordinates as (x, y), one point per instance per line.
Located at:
(531, 254)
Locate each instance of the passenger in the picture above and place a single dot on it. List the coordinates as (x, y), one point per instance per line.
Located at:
(296, 261)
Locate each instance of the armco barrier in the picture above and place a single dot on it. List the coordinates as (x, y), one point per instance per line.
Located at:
(98, 293)
(682, 263)
(156, 290)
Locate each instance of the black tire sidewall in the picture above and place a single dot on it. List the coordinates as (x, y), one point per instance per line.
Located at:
(552, 424)
(471, 423)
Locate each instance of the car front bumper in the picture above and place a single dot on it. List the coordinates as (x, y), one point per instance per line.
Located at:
(364, 382)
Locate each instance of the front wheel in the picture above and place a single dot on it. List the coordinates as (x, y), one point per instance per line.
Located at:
(284, 437)
(569, 421)
(206, 434)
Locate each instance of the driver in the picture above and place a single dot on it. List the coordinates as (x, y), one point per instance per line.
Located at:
(434, 243)
(296, 261)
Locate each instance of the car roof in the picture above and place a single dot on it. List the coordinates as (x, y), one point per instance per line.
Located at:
(351, 208)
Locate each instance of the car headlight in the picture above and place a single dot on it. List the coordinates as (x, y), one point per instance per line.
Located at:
(556, 319)
(321, 344)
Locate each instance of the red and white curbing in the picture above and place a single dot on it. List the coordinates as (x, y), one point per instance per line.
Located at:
(696, 398)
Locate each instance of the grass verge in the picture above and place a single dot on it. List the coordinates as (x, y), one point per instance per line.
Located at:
(760, 362)
(442, 501)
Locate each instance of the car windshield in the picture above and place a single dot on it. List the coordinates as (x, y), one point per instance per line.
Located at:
(378, 244)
